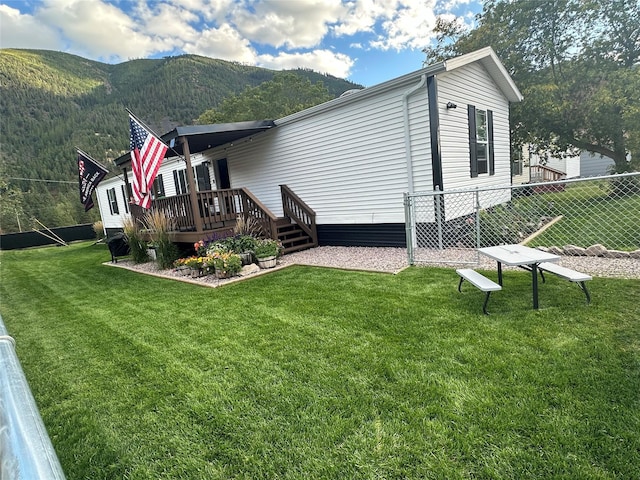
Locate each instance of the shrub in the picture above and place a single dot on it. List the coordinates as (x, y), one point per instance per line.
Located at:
(98, 228)
(267, 247)
(137, 246)
(160, 227)
(226, 263)
(248, 225)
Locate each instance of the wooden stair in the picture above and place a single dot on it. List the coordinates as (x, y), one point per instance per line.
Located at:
(292, 237)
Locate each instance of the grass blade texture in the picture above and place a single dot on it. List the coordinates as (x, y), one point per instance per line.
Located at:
(320, 373)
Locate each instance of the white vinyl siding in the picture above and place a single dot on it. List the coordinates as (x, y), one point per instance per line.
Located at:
(471, 85)
(348, 164)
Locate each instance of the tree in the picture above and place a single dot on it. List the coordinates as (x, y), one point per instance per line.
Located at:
(577, 64)
(285, 94)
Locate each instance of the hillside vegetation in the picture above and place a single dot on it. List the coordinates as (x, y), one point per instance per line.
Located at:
(53, 102)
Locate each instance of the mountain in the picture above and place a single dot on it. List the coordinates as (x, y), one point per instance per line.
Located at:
(53, 102)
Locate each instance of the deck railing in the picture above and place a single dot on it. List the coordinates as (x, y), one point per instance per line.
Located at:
(298, 211)
(542, 173)
(216, 209)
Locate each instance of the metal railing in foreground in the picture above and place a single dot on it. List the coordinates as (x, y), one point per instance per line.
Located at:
(26, 451)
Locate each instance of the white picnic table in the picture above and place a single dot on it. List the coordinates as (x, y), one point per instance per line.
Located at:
(520, 256)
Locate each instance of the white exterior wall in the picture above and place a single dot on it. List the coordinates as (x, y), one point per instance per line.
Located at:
(594, 164)
(472, 85)
(347, 163)
(166, 170)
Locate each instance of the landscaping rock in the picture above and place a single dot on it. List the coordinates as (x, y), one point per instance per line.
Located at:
(249, 270)
(574, 250)
(616, 254)
(635, 254)
(597, 250)
(555, 250)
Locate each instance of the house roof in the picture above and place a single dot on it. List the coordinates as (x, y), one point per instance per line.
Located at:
(204, 137)
(485, 56)
(490, 61)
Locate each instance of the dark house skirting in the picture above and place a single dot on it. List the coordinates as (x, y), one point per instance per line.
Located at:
(363, 235)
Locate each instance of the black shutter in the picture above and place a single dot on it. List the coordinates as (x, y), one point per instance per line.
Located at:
(492, 158)
(176, 182)
(126, 200)
(471, 110)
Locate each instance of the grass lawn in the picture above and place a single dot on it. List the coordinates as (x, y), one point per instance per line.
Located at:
(312, 373)
(590, 216)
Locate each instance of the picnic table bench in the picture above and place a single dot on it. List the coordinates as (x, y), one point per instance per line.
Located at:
(479, 281)
(567, 274)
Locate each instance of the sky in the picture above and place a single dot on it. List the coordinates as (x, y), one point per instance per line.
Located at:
(365, 41)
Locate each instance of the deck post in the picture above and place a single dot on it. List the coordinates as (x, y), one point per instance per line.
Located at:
(193, 194)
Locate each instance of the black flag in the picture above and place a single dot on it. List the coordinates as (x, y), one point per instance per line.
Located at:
(90, 174)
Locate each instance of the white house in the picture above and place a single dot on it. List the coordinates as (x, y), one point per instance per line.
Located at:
(534, 166)
(350, 160)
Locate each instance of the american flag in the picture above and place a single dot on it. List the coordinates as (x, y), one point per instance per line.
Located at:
(147, 152)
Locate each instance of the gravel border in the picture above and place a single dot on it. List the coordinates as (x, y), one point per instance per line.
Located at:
(393, 260)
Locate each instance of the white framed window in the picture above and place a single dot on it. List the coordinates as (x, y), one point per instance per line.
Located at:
(180, 181)
(481, 153)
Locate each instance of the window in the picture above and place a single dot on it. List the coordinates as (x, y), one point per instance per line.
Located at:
(203, 179)
(180, 181)
(126, 200)
(481, 141)
(113, 201)
(158, 187)
(516, 163)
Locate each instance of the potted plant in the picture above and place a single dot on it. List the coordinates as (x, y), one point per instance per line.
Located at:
(226, 264)
(195, 264)
(266, 252)
(245, 246)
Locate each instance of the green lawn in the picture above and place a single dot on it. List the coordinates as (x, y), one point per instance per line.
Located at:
(590, 215)
(311, 373)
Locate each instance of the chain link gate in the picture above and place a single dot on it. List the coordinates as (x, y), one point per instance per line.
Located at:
(448, 226)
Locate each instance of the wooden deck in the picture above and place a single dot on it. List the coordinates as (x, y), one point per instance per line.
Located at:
(216, 212)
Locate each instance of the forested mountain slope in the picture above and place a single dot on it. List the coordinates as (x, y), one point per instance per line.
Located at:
(52, 102)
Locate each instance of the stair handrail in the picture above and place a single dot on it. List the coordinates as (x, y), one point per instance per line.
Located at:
(272, 229)
(299, 212)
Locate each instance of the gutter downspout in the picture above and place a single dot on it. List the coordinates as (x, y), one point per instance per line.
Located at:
(407, 132)
(410, 221)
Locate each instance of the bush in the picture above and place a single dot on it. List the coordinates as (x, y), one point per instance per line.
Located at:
(226, 264)
(160, 227)
(137, 246)
(267, 247)
(98, 228)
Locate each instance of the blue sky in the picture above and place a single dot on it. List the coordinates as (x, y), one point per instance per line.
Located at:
(366, 41)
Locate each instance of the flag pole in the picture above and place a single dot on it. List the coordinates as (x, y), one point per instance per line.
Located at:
(90, 157)
(82, 152)
(154, 134)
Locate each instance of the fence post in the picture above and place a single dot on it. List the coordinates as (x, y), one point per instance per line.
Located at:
(439, 198)
(408, 225)
(477, 212)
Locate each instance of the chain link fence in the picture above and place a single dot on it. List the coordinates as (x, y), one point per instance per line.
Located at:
(591, 216)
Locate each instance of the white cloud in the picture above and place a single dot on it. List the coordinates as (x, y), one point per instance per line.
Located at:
(98, 29)
(362, 16)
(224, 43)
(291, 23)
(410, 26)
(324, 61)
(26, 31)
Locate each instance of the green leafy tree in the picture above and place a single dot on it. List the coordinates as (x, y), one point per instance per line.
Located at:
(285, 94)
(577, 64)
